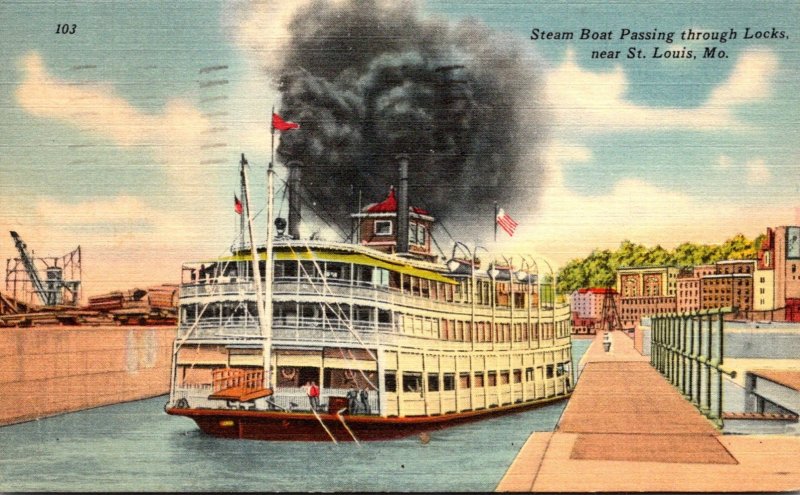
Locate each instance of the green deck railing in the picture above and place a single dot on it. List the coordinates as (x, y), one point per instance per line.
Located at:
(688, 349)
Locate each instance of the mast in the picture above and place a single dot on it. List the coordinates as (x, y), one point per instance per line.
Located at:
(260, 305)
(266, 322)
(241, 217)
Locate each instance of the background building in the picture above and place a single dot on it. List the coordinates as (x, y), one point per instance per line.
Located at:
(687, 287)
(587, 308)
(777, 275)
(646, 291)
(731, 285)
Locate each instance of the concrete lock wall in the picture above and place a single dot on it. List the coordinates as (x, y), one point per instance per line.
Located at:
(760, 340)
(55, 369)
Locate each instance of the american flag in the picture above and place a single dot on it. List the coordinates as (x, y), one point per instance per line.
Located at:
(506, 222)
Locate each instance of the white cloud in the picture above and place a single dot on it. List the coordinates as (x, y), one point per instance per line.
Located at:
(134, 239)
(262, 28)
(586, 102)
(724, 162)
(757, 171)
(174, 134)
(749, 81)
(125, 242)
(569, 224)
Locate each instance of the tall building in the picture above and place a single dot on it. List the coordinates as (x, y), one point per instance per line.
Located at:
(687, 287)
(764, 275)
(730, 285)
(779, 257)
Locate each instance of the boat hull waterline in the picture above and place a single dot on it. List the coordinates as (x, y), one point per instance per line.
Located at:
(299, 426)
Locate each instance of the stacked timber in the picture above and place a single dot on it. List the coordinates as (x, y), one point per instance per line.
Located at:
(11, 306)
(163, 296)
(156, 305)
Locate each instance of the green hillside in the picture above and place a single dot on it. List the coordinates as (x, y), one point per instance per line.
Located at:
(599, 268)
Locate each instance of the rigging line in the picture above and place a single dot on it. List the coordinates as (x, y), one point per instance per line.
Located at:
(340, 313)
(437, 244)
(283, 200)
(196, 321)
(326, 286)
(330, 222)
(323, 425)
(341, 349)
(341, 419)
(442, 225)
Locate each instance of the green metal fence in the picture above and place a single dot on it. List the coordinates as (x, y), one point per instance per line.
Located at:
(688, 349)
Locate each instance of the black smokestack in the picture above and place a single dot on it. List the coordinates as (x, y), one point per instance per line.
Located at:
(402, 204)
(367, 81)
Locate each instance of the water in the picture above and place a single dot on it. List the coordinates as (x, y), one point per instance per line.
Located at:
(137, 447)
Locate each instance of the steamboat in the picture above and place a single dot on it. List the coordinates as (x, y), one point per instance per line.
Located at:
(378, 338)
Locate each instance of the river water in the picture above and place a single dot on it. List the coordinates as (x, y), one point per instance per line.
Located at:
(137, 447)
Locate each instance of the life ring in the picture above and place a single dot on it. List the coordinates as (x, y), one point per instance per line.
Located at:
(349, 374)
(289, 373)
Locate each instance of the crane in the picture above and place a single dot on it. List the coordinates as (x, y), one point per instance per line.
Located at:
(52, 289)
(47, 297)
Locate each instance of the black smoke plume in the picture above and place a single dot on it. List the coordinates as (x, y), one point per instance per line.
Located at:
(366, 81)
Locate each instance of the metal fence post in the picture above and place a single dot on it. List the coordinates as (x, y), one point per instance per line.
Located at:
(720, 326)
(708, 362)
(691, 359)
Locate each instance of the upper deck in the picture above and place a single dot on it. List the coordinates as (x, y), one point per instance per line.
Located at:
(348, 293)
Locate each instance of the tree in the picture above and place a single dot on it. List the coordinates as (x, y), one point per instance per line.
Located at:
(600, 267)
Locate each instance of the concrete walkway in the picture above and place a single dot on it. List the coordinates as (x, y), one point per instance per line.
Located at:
(627, 429)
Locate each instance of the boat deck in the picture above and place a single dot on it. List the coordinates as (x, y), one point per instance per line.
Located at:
(241, 394)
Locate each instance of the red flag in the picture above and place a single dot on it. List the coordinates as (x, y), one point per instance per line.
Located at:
(506, 222)
(237, 205)
(283, 125)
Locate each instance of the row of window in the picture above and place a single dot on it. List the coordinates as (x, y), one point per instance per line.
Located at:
(340, 273)
(292, 313)
(413, 381)
(726, 282)
(417, 232)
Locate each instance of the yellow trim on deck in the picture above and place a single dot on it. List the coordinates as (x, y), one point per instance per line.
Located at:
(361, 259)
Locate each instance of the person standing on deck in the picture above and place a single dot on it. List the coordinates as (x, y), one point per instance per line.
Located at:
(352, 400)
(364, 396)
(313, 396)
(307, 390)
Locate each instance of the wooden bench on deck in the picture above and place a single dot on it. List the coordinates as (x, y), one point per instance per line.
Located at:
(235, 384)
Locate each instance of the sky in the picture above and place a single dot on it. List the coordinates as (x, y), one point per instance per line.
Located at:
(124, 136)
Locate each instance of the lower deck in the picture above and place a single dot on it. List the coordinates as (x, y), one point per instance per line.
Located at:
(385, 382)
